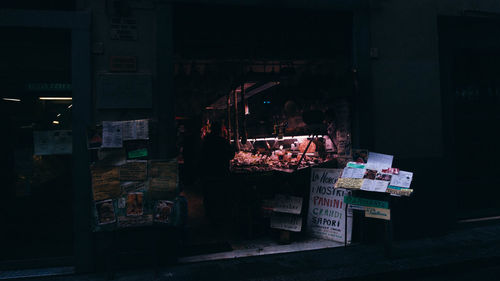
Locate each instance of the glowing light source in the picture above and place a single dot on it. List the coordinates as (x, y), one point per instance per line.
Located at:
(55, 122)
(70, 106)
(11, 99)
(55, 98)
(58, 114)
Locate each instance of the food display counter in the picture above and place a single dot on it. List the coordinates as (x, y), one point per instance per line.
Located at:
(286, 154)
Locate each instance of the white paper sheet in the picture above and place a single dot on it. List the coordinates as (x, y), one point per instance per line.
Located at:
(374, 185)
(403, 179)
(287, 204)
(286, 222)
(135, 129)
(112, 134)
(355, 173)
(378, 161)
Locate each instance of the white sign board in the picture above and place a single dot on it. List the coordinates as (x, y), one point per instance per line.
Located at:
(287, 204)
(286, 222)
(326, 216)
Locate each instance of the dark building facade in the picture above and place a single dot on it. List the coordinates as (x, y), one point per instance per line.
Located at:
(425, 88)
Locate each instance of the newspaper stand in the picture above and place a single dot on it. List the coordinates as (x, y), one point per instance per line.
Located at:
(388, 225)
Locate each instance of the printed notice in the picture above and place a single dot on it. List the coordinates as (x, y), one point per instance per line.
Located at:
(349, 183)
(286, 222)
(378, 161)
(355, 173)
(374, 185)
(105, 183)
(287, 204)
(135, 204)
(105, 212)
(134, 171)
(53, 142)
(163, 211)
(403, 179)
(135, 130)
(112, 134)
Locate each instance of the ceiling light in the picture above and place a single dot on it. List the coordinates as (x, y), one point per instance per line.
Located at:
(11, 99)
(55, 98)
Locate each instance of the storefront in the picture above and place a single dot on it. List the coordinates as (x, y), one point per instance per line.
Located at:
(282, 89)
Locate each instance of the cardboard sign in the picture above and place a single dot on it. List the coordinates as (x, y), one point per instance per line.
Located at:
(366, 202)
(326, 216)
(134, 171)
(287, 204)
(105, 183)
(164, 170)
(286, 222)
(378, 213)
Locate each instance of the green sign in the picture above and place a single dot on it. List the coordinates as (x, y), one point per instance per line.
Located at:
(138, 153)
(354, 165)
(366, 202)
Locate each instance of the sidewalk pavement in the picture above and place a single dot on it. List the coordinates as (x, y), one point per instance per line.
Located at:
(463, 247)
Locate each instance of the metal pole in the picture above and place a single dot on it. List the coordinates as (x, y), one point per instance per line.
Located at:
(236, 126)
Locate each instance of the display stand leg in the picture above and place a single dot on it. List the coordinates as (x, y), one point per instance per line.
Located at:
(345, 225)
(388, 234)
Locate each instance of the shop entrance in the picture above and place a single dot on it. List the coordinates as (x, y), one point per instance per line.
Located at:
(469, 59)
(36, 93)
(275, 80)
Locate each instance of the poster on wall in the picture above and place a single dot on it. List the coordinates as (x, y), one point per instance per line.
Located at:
(54, 142)
(326, 217)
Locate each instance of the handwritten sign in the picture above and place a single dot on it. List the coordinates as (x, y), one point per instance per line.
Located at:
(366, 202)
(134, 171)
(326, 216)
(378, 213)
(287, 204)
(286, 222)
